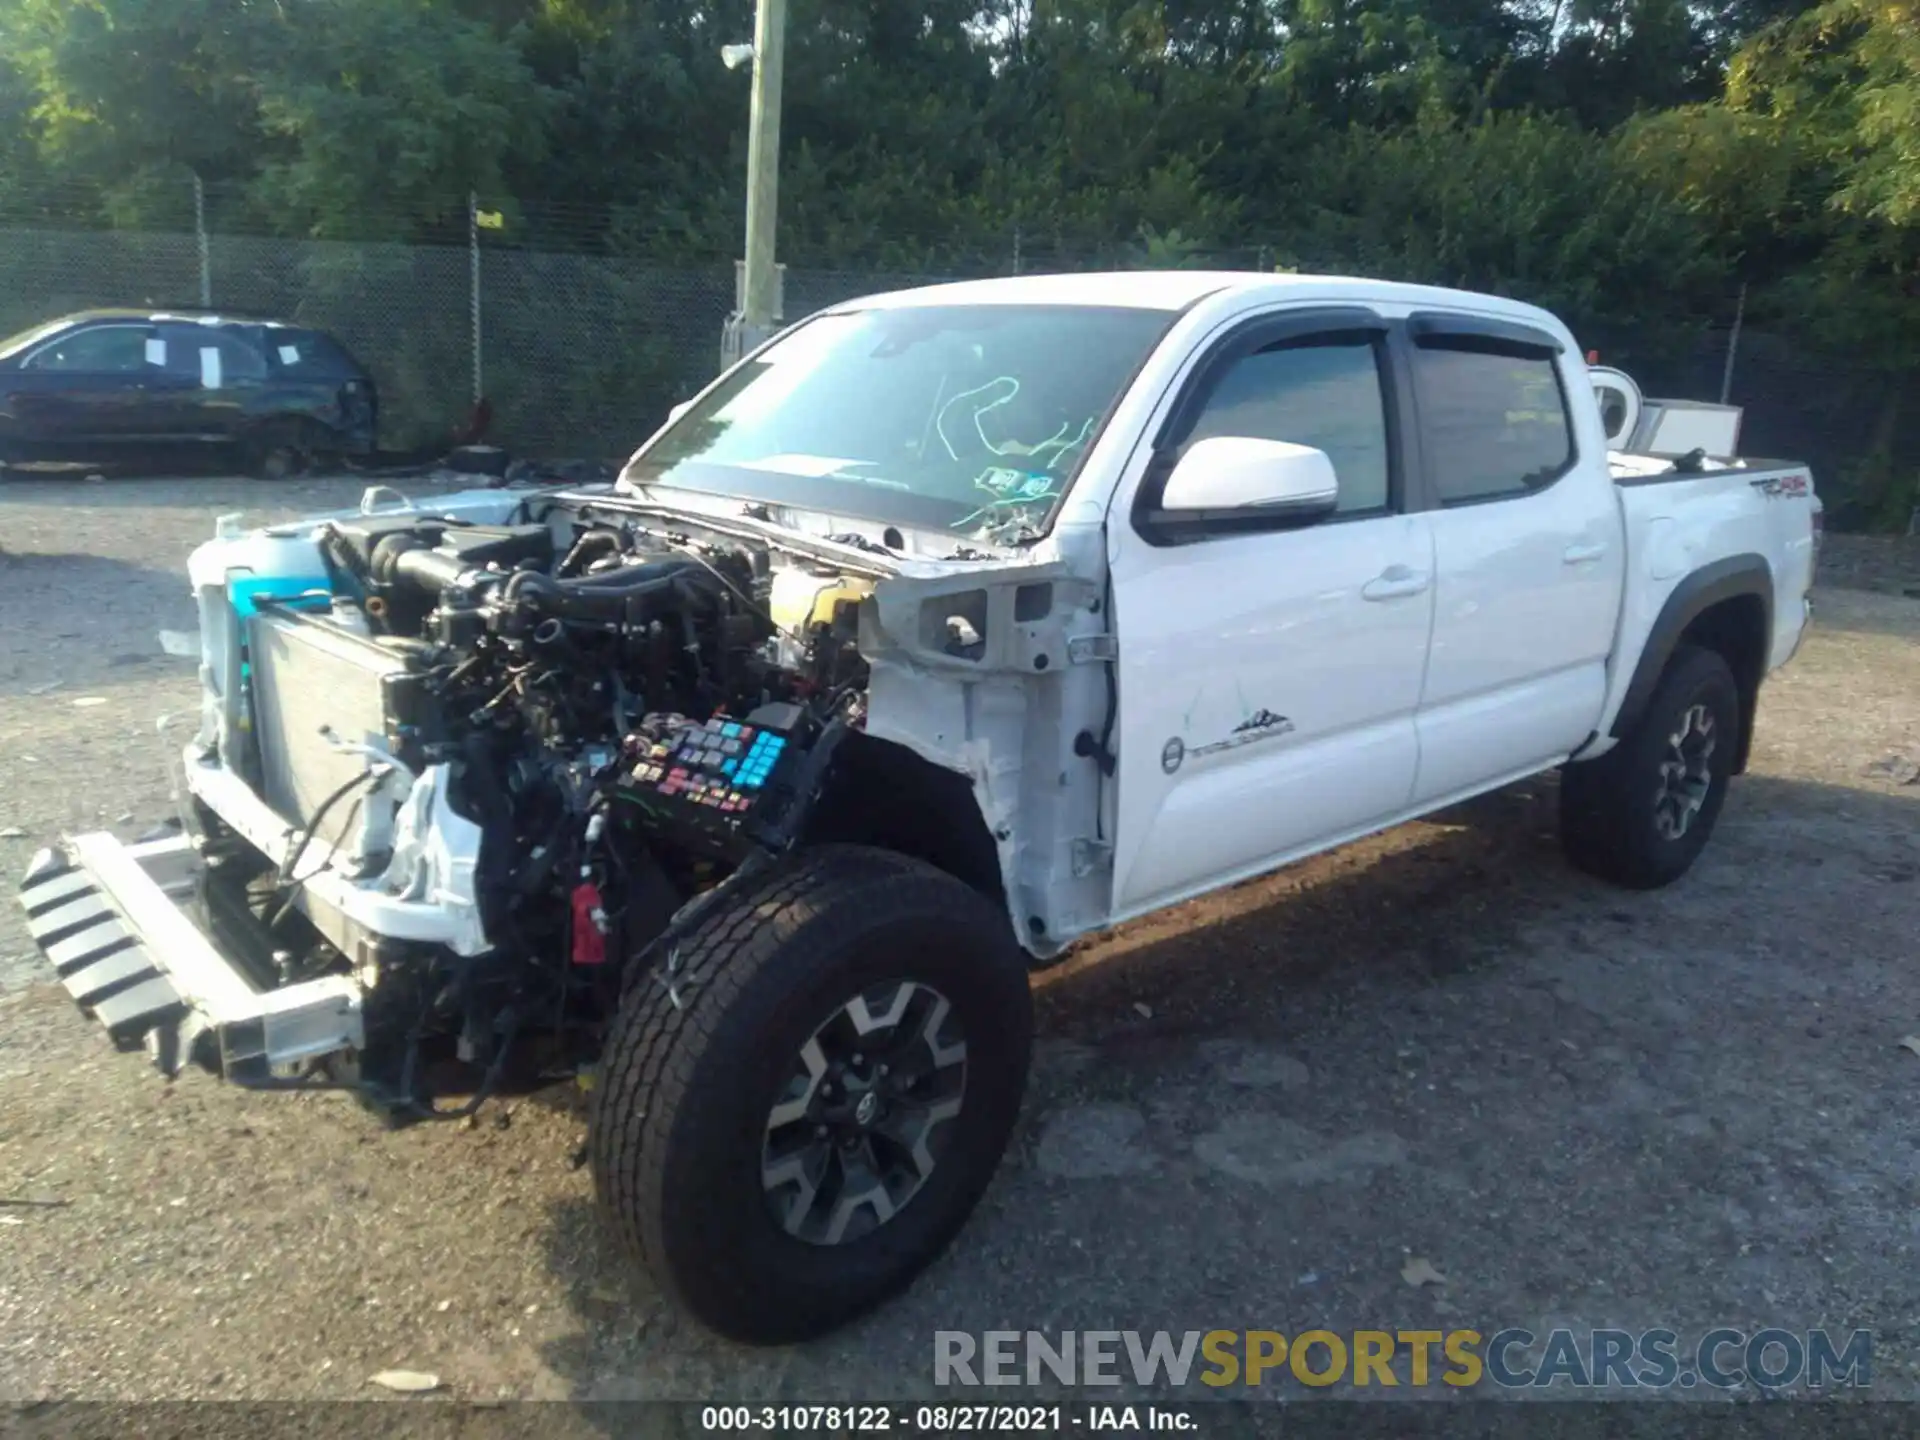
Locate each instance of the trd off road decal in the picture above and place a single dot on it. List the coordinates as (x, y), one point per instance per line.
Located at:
(1781, 487)
(1261, 725)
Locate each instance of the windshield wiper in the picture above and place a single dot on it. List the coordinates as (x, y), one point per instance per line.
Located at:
(860, 542)
(1014, 533)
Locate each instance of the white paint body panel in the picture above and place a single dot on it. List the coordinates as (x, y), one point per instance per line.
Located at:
(1216, 633)
(1524, 618)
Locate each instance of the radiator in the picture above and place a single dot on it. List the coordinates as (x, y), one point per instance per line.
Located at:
(307, 675)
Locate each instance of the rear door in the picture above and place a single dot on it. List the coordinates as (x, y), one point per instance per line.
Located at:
(321, 379)
(1529, 548)
(1269, 675)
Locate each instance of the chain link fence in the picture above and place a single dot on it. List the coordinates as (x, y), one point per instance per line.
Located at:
(580, 345)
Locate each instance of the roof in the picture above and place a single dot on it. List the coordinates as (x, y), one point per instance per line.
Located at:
(1174, 290)
(152, 314)
(46, 330)
(1135, 289)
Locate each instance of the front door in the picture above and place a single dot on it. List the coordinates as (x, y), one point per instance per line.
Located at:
(88, 386)
(1269, 678)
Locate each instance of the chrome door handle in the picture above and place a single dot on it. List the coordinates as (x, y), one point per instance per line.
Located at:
(1394, 582)
(1583, 554)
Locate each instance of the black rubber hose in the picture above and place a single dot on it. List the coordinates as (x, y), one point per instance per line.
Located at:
(587, 546)
(613, 597)
(430, 569)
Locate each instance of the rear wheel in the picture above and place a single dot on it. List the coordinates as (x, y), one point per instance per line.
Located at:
(798, 1113)
(1640, 814)
(283, 449)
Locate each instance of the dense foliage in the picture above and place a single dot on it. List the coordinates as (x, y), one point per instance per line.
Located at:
(1633, 163)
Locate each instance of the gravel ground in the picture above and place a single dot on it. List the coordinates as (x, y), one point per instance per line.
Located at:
(1582, 1107)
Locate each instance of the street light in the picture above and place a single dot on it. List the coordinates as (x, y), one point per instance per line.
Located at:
(758, 300)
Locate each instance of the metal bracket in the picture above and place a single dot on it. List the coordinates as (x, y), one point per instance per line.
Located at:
(738, 339)
(1093, 649)
(1091, 857)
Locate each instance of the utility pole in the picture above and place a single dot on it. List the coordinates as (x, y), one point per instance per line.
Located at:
(758, 293)
(1733, 344)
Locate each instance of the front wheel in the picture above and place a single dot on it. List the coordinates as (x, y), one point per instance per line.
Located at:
(1641, 814)
(798, 1112)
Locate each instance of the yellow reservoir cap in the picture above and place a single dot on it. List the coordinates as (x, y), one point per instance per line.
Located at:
(801, 600)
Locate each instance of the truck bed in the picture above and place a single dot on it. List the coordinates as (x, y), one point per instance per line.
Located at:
(1747, 512)
(1630, 468)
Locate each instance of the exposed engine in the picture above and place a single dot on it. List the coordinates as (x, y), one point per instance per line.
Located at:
(630, 715)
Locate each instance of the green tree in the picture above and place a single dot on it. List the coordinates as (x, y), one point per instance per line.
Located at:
(1517, 205)
(130, 96)
(390, 112)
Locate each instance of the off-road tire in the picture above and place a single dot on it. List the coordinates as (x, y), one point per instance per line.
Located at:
(698, 1052)
(1607, 806)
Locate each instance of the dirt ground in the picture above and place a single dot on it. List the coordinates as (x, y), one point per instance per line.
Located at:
(1582, 1107)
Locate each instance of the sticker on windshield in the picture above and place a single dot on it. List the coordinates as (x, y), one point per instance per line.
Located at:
(810, 467)
(1009, 493)
(289, 354)
(156, 352)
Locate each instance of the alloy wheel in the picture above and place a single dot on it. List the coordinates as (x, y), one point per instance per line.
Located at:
(863, 1117)
(1686, 774)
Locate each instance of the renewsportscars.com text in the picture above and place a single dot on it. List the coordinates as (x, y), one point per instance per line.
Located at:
(1506, 1359)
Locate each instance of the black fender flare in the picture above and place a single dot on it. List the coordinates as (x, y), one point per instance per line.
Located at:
(1710, 585)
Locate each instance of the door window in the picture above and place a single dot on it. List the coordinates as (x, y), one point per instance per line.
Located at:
(1325, 393)
(215, 359)
(1495, 422)
(98, 350)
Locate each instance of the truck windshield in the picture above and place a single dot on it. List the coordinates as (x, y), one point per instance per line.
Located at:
(968, 418)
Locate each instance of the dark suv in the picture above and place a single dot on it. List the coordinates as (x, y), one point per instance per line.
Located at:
(97, 385)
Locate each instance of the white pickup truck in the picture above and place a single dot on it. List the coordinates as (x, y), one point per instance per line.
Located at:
(949, 627)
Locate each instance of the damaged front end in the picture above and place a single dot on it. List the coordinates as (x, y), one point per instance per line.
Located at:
(109, 919)
(462, 774)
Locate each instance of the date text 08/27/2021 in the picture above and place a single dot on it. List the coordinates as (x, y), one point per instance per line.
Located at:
(942, 1419)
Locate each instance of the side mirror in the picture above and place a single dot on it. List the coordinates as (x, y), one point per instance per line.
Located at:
(1230, 478)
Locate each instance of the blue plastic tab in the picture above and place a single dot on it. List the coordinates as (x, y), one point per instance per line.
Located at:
(244, 592)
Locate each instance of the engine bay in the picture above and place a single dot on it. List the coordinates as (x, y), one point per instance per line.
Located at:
(572, 646)
(631, 713)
